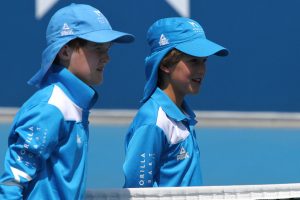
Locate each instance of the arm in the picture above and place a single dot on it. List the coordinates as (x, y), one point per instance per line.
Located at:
(143, 154)
(33, 138)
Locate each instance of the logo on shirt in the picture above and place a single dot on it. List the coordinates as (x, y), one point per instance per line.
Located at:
(18, 174)
(183, 154)
(145, 171)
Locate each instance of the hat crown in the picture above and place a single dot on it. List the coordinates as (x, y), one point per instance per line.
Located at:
(74, 20)
(171, 31)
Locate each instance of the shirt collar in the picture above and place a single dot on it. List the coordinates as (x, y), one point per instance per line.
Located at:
(82, 94)
(171, 109)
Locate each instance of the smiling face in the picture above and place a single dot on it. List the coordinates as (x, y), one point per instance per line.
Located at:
(184, 77)
(86, 62)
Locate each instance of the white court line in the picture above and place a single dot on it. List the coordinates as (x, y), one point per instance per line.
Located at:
(204, 118)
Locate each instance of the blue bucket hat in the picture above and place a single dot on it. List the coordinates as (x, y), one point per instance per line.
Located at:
(75, 21)
(183, 34)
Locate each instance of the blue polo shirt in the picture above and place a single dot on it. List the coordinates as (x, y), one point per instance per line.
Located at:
(48, 142)
(161, 148)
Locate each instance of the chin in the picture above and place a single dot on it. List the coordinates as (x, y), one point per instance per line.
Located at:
(95, 82)
(98, 82)
(195, 91)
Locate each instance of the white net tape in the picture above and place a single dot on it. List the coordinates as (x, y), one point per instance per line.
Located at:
(273, 191)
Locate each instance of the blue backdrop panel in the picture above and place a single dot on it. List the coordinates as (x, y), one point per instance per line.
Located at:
(261, 73)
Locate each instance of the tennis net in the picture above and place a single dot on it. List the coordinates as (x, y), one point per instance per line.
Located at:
(272, 191)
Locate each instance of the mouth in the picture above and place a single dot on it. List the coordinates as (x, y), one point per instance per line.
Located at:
(197, 80)
(100, 69)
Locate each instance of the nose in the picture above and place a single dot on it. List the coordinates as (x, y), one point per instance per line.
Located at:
(202, 68)
(105, 58)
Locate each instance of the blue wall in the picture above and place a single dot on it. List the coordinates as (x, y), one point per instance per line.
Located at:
(261, 73)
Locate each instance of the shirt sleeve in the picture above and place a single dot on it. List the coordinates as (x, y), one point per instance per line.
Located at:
(34, 136)
(143, 154)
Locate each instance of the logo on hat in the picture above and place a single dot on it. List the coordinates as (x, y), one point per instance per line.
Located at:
(66, 30)
(100, 17)
(196, 27)
(163, 40)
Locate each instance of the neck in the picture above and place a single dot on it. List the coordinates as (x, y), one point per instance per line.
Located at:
(174, 96)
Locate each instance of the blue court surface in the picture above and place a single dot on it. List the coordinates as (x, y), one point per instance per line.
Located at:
(230, 156)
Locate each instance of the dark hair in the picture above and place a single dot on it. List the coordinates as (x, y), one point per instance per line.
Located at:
(75, 44)
(171, 59)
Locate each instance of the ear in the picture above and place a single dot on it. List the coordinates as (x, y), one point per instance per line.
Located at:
(165, 69)
(65, 53)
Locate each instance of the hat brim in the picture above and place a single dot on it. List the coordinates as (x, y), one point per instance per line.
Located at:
(103, 36)
(202, 47)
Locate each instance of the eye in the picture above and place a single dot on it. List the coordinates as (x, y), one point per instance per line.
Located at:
(99, 47)
(102, 49)
(198, 60)
(194, 60)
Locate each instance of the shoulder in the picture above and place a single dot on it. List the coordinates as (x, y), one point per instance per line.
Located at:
(53, 102)
(37, 113)
(147, 114)
(153, 117)
(65, 104)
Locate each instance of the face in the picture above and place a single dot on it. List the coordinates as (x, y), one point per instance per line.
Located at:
(88, 62)
(187, 75)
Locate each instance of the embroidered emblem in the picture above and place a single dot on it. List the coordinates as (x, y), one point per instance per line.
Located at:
(196, 27)
(66, 30)
(163, 40)
(183, 154)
